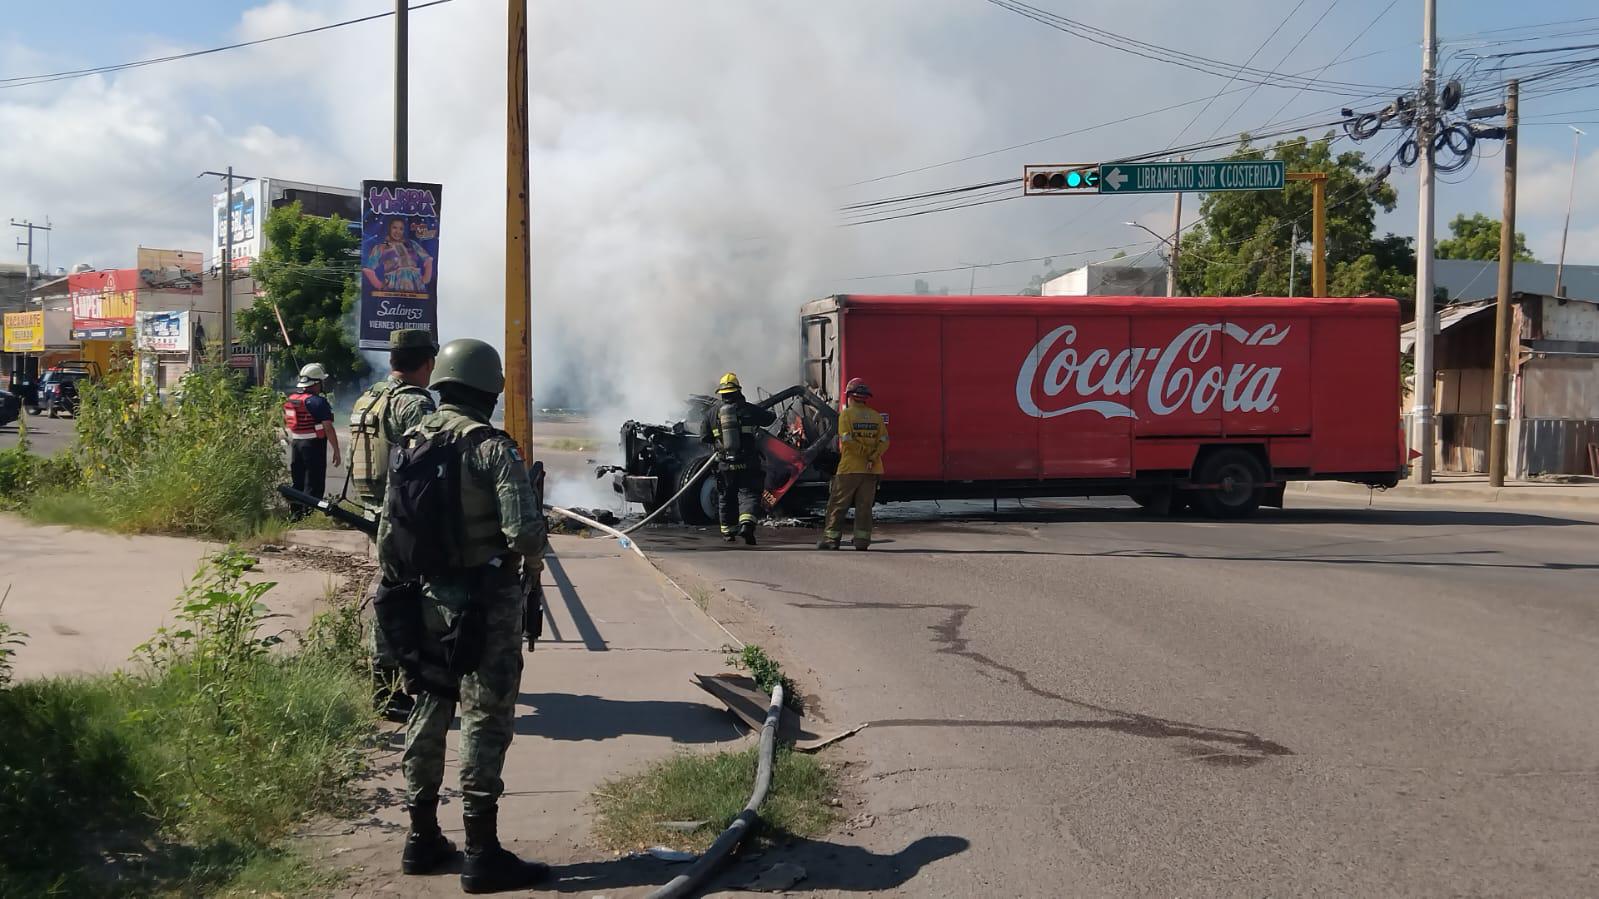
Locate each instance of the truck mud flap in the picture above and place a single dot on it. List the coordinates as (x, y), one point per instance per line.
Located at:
(1273, 496)
(640, 488)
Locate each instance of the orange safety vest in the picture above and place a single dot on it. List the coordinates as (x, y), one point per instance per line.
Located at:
(297, 418)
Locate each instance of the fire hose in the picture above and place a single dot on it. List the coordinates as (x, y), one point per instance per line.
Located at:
(687, 486)
(746, 820)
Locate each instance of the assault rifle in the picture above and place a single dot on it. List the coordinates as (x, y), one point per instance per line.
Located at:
(331, 509)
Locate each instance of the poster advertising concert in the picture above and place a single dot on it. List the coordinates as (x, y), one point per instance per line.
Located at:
(399, 259)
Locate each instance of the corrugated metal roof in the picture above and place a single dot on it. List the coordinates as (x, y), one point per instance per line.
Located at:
(1448, 317)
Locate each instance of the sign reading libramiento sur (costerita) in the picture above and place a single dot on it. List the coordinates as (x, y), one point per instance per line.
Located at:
(1191, 177)
(399, 259)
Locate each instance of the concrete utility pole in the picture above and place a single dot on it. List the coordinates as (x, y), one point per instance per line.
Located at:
(1421, 410)
(1571, 194)
(1176, 243)
(227, 262)
(1293, 257)
(31, 227)
(518, 276)
(1498, 438)
(401, 86)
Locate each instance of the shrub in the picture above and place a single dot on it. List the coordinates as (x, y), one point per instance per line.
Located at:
(206, 464)
(196, 764)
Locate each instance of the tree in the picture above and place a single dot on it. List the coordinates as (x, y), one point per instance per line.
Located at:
(1477, 237)
(1244, 243)
(307, 276)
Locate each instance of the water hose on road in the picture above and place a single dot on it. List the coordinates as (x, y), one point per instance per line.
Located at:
(627, 542)
(745, 822)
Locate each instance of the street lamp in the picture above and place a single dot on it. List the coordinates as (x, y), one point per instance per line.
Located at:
(1171, 260)
(1571, 193)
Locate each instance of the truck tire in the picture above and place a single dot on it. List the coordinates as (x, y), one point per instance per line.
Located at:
(1240, 475)
(697, 506)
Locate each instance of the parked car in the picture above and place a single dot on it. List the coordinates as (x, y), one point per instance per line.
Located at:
(10, 408)
(58, 391)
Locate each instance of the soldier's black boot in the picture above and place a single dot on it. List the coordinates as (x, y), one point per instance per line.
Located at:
(426, 847)
(489, 867)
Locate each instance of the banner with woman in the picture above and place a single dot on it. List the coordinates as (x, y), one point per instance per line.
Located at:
(399, 259)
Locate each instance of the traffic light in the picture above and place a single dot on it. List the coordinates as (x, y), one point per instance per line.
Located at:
(1072, 178)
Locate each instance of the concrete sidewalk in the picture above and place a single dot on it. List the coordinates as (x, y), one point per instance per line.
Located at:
(86, 599)
(606, 692)
(1467, 488)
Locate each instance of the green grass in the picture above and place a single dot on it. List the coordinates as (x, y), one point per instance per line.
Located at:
(184, 777)
(712, 788)
(572, 444)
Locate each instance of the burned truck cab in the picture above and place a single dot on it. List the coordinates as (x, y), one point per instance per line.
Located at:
(660, 460)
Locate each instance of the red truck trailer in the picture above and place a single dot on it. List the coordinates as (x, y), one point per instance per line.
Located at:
(1214, 402)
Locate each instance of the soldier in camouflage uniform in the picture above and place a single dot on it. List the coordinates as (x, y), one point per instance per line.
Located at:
(503, 525)
(381, 416)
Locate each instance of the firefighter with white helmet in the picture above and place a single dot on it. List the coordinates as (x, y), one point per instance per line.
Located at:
(308, 420)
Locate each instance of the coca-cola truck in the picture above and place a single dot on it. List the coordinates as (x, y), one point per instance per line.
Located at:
(1212, 401)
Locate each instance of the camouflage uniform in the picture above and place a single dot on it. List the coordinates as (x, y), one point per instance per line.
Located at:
(404, 409)
(501, 521)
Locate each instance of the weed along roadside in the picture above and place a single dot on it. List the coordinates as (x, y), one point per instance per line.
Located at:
(202, 465)
(184, 774)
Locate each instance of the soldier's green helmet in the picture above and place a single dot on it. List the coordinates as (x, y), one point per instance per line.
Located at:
(469, 362)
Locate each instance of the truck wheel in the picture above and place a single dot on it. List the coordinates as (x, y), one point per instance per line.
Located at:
(697, 506)
(1238, 475)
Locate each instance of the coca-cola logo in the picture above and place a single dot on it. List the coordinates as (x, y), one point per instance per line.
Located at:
(1096, 380)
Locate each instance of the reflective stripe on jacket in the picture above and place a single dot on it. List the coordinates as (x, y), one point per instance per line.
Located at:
(862, 439)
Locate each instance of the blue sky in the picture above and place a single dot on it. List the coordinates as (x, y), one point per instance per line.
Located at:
(697, 153)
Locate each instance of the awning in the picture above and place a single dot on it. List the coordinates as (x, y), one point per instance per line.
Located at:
(1448, 317)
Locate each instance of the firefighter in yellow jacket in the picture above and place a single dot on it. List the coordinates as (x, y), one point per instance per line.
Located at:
(862, 441)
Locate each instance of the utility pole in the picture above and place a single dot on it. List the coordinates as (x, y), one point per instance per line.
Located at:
(518, 277)
(1421, 410)
(1498, 438)
(1293, 257)
(31, 227)
(227, 262)
(1571, 194)
(1176, 243)
(401, 86)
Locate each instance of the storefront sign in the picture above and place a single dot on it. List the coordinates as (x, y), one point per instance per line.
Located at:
(164, 332)
(102, 303)
(24, 332)
(399, 259)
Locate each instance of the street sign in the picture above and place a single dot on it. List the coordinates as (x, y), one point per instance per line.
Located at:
(1191, 177)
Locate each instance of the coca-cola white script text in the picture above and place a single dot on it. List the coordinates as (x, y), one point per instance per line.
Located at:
(1095, 380)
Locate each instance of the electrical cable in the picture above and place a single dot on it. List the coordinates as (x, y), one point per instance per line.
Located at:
(30, 80)
(1159, 53)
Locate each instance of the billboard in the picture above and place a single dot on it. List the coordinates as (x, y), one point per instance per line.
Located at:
(399, 259)
(246, 224)
(102, 303)
(24, 332)
(164, 332)
(177, 271)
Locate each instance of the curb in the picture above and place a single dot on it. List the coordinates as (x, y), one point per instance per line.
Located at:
(1540, 496)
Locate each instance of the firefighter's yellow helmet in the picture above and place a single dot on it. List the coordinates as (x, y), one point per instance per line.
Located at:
(729, 384)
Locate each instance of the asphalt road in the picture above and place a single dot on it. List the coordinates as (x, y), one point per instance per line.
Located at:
(1079, 701)
(47, 436)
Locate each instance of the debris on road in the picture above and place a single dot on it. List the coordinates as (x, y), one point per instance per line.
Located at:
(777, 878)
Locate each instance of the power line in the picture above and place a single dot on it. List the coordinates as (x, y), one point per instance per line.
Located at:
(30, 80)
(1168, 55)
